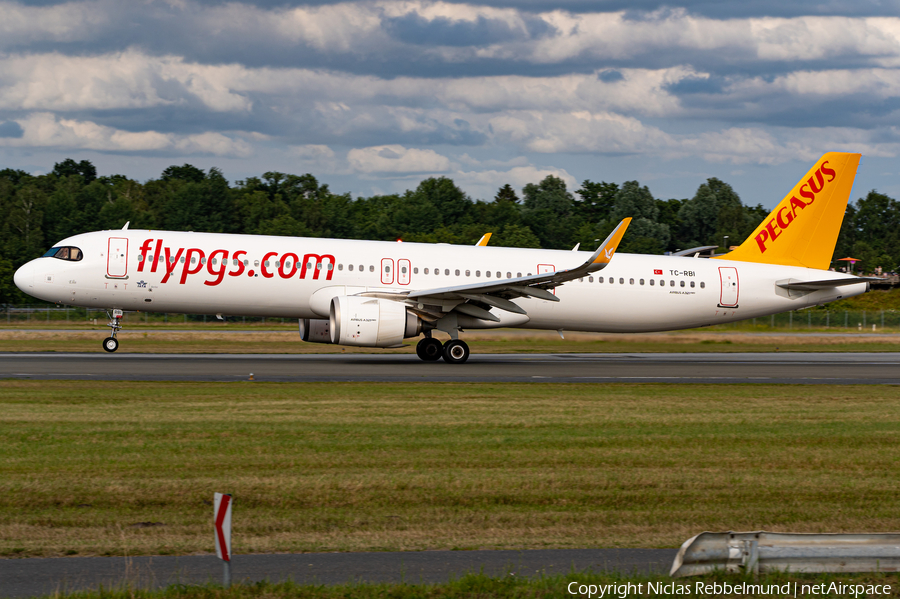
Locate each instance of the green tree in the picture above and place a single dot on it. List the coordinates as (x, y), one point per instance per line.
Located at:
(68, 167)
(548, 210)
(645, 235)
(597, 200)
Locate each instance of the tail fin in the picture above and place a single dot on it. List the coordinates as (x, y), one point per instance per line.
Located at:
(803, 229)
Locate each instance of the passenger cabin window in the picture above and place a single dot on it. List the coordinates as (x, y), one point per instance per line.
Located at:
(426, 271)
(599, 279)
(350, 267)
(692, 283)
(468, 273)
(702, 285)
(371, 268)
(71, 254)
(340, 267)
(652, 282)
(642, 281)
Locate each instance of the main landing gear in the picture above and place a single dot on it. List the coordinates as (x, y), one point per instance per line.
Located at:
(111, 344)
(454, 351)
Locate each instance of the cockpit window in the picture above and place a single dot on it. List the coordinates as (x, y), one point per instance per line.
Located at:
(71, 254)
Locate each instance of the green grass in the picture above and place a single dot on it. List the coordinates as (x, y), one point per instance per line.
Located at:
(541, 587)
(341, 467)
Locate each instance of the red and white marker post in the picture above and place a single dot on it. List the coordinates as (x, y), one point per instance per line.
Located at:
(222, 512)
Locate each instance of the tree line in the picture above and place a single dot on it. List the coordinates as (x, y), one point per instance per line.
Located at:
(41, 210)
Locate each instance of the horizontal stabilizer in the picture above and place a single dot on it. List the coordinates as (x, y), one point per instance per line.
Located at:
(823, 284)
(696, 250)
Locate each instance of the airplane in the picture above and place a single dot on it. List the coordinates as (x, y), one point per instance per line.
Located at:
(377, 293)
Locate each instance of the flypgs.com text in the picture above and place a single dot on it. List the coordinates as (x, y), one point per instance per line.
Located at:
(218, 263)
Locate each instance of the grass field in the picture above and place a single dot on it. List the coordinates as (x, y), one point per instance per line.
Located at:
(503, 341)
(478, 586)
(109, 468)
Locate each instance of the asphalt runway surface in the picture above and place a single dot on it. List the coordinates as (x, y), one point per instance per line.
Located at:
(791, 368)
(31, 577)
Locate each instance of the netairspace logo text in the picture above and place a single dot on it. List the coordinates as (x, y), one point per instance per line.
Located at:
(790, 589)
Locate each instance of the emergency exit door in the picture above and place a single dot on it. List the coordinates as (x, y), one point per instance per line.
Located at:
(728, 297)
(545, 268)
(117, 258)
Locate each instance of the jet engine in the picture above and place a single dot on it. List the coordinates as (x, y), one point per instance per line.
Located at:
(315, 330)
(371, 322)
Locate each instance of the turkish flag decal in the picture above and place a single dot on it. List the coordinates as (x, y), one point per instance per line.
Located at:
(657, 271)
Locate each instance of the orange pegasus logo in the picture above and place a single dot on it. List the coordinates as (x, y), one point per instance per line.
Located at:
(786, 215)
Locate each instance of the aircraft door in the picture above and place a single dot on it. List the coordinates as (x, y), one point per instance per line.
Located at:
(117, 258)
(403, 271)
(387, 271)
(728, 297)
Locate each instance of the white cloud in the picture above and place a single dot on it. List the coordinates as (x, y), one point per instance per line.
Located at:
(46, 130)
(127, 79)
(580, 131)
(61, 22)
(397, 159)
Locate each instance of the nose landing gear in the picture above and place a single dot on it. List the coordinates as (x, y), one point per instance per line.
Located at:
(111, 344)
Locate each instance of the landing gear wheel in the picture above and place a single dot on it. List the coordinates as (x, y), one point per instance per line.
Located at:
(429, 349)
(456, 351)
(110, 344)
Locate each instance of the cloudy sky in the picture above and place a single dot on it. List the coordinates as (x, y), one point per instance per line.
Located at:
(372, 97)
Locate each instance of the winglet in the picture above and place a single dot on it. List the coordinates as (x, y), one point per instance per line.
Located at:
(607, 249)
(484, 239)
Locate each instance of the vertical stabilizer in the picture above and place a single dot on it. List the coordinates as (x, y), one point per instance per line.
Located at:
(803, 229)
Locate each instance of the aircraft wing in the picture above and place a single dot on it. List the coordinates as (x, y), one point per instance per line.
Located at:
(497, 293)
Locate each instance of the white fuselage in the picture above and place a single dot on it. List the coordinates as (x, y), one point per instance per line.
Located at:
(164, 271)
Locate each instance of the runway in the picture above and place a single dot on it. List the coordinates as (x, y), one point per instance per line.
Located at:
(30, 577)
(790, 368)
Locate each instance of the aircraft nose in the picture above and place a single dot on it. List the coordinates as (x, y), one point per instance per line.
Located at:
(24, 277)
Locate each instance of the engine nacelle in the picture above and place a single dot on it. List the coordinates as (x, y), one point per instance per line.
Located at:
(371, 322)
(315, 330)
